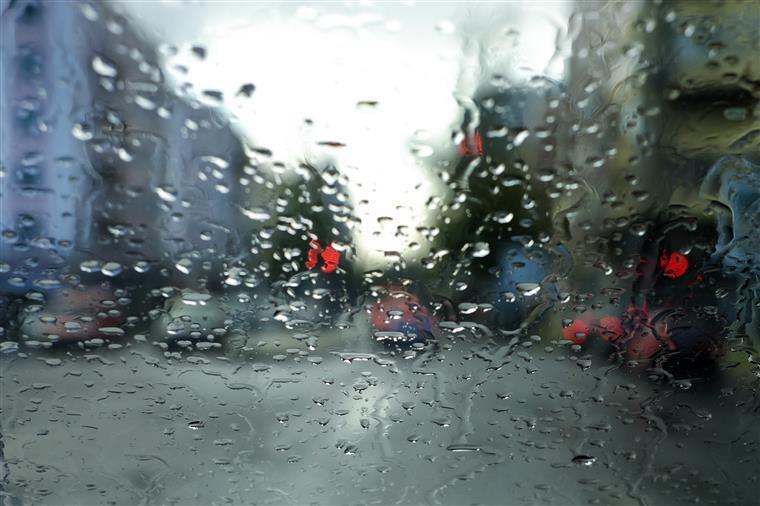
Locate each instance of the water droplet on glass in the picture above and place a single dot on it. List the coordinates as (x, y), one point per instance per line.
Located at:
(185, 265)
(104, 67)
(111, 269)
(90, 266)
(528, 289)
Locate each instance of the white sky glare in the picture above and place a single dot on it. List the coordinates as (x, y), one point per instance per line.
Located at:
(318, 60)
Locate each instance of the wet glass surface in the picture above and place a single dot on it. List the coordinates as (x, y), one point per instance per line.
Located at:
(379, 253)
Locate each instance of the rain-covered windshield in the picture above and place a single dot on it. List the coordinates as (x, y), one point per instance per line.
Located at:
(379, 252)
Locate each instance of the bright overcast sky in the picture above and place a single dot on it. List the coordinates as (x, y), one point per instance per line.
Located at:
(318, 60)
